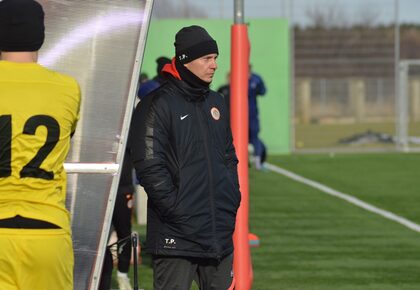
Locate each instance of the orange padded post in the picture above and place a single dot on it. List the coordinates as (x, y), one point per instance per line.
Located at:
(239, 122)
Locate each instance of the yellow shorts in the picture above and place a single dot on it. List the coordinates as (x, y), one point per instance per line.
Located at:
(39, 259)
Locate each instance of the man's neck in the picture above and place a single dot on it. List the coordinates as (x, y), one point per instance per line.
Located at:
(21, 56)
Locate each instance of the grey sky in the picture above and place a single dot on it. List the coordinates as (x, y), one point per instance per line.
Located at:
(383, 10)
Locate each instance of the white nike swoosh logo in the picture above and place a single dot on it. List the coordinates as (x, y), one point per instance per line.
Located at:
(183, 117)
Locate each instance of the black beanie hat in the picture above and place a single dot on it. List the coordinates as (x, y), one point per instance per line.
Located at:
(161, 61)
(193, 42)
(21, 25)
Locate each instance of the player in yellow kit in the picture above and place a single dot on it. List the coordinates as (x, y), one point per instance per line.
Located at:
(39, 109)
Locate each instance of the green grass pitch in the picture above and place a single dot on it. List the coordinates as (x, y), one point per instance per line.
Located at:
(310, 240)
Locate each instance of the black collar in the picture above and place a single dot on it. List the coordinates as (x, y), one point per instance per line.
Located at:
(187, 76)
(190, 93)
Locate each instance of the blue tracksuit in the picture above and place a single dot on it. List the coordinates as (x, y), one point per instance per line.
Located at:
(256, 88)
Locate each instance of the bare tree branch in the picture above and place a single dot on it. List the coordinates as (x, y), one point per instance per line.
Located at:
(366, 16)
(177, 9)
(326, 15)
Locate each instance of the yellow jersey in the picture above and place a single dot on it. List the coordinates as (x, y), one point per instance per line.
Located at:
(39, 109)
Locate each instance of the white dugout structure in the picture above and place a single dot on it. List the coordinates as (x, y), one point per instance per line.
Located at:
(101, 44)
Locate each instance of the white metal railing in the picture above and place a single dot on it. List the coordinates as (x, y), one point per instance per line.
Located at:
(91, 167)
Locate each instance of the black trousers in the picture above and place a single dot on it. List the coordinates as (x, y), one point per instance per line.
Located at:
(121, 221)
(178, 273)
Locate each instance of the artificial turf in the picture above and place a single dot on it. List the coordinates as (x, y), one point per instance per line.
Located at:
(310, 240)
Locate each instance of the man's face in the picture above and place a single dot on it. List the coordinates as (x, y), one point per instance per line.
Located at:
(204, 67)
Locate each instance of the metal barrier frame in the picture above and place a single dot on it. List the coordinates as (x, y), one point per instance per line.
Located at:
(402, 107)
(114, 168)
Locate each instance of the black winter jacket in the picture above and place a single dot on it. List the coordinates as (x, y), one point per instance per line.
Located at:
(182, 150)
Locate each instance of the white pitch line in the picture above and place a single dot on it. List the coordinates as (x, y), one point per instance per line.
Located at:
(351, 199)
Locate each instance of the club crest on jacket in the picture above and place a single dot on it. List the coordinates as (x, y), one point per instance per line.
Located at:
(215, 113)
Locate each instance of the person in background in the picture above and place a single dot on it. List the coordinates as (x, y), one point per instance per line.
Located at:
(224, 90)
(157, 81)
(182, 151)
(121, 222)
(121, 219)
(256, 87)
(39, 110)
(143, 78)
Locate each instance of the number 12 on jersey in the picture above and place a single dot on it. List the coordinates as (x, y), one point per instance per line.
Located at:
(32, 168)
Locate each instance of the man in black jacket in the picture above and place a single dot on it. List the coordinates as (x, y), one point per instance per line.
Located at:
(182, 150)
